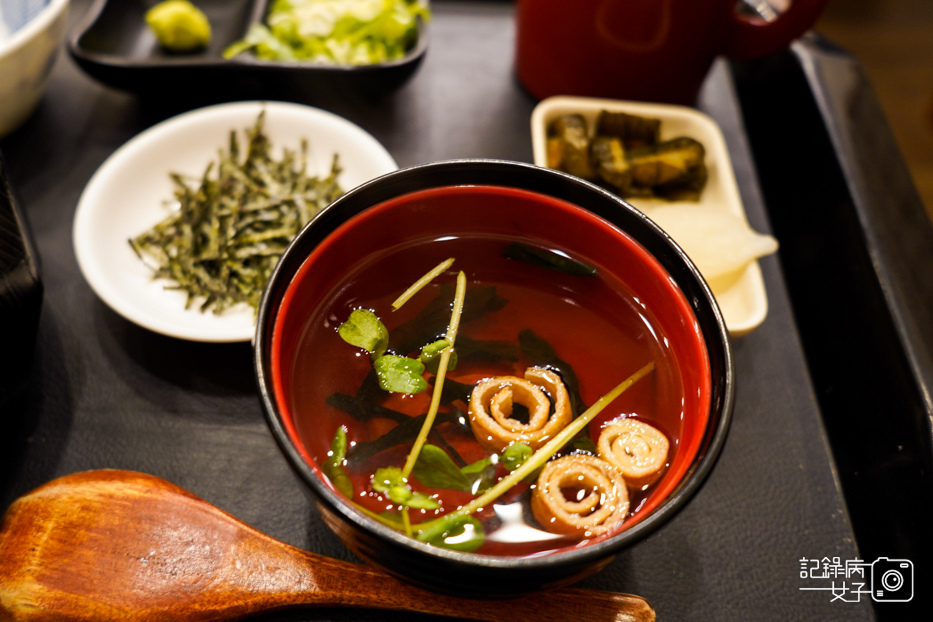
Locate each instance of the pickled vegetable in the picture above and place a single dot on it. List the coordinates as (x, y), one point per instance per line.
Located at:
(671, 162)
(572, 144)
(633, 130)
(626, 155)
(609, 157)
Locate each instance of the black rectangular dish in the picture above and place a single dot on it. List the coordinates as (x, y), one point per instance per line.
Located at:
(115, 45)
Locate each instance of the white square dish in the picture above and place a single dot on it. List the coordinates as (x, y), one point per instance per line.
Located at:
(741, 294)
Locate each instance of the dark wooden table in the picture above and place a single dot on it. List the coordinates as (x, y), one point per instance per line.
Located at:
(789, 490)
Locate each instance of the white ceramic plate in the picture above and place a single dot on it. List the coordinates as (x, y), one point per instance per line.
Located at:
(741, 296)
(128, 193)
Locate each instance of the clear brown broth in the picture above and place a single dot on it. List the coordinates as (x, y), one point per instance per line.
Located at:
(594, 323)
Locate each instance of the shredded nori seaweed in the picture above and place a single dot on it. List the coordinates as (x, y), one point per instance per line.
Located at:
(231, 227)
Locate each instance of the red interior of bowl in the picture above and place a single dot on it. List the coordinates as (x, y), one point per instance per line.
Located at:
(511, 212)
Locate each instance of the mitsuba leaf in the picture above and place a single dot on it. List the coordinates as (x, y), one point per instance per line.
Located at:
(333, 468)
(431, 356)
(387, 477)
(435, 469)
(364, 329)
(390, 482)
(482, 473)
(421, 501)
(454, 531)
(515, 455)
(400, 374)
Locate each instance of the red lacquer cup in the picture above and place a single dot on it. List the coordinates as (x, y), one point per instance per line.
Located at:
(649, 50)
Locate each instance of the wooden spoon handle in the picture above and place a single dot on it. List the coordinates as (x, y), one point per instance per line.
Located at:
(114, 545)
(362, 586)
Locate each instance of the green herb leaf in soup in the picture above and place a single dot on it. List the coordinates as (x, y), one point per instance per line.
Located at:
(391, 482)
(364, 329)
(456, 532)
(435, 469)
(333, 468)
(515, 455)
(431, 355)
(400, 374)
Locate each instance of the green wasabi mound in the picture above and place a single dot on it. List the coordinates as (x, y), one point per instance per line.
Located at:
(179, 25)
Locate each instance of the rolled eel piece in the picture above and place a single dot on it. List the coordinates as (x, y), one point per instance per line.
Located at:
(580, 495)
(491, 407)
(637, 449)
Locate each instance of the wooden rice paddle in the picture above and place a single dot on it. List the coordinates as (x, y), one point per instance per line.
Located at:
(117, 545)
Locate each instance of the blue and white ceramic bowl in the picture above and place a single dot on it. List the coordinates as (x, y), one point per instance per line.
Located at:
(31, 32)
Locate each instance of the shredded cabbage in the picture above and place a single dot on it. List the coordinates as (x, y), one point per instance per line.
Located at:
(335, 32)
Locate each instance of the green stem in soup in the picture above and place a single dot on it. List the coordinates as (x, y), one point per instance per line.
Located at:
(418, 285)
(451, 338)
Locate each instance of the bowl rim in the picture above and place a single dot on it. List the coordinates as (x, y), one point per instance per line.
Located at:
(508, 173)
(51, 12)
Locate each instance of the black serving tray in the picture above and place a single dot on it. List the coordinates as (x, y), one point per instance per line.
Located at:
(116, 46)
(860, 282)
(104, 393)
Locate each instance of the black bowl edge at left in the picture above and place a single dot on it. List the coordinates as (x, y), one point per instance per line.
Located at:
(21, 292)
